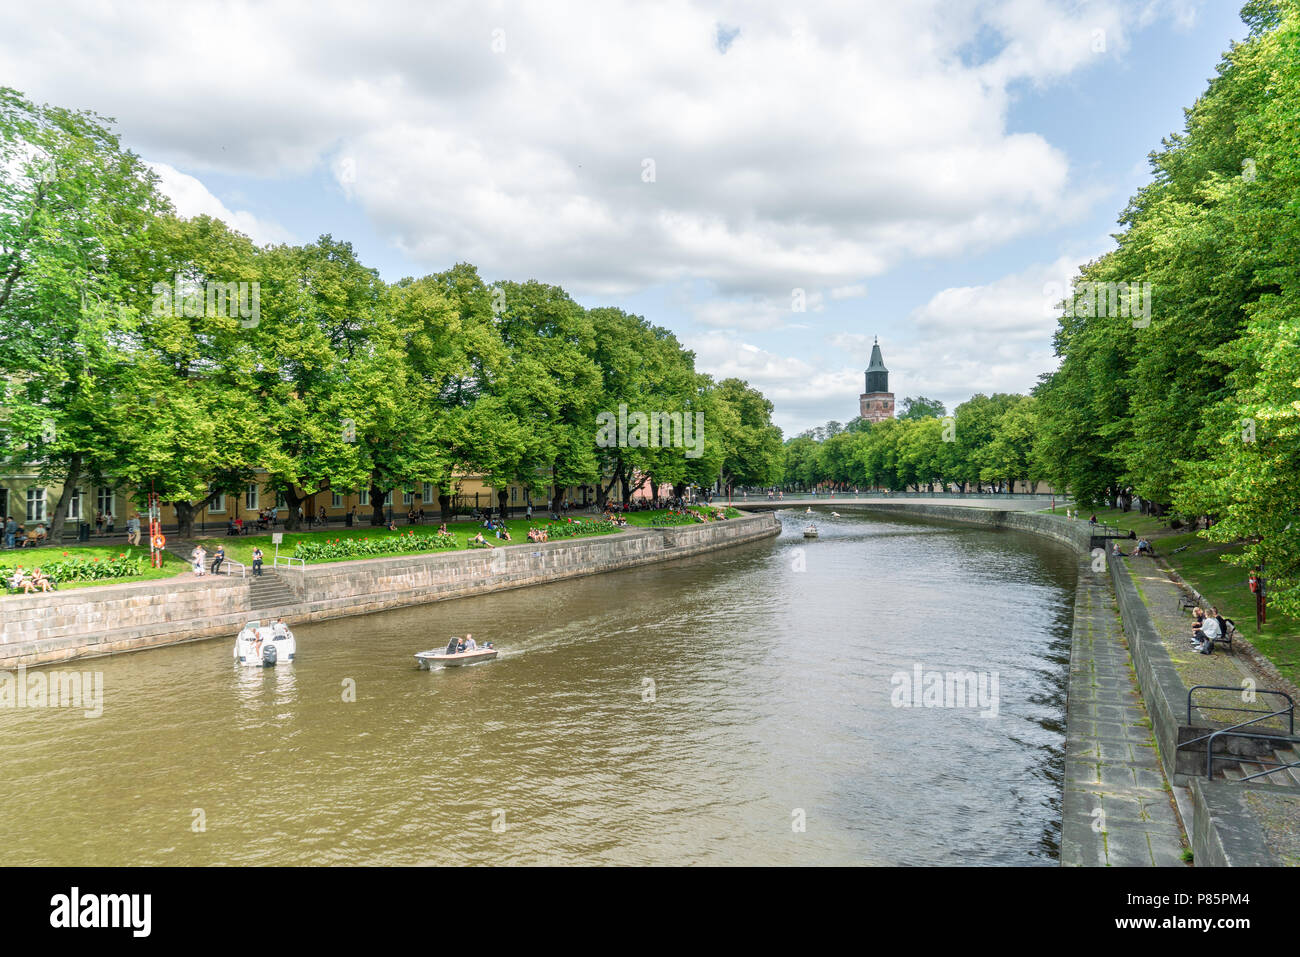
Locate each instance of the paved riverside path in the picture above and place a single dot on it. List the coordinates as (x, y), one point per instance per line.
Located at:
(1116, 809)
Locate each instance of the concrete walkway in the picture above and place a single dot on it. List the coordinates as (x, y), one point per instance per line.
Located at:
(1116, 808)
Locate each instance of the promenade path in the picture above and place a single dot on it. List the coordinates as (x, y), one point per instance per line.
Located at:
(1116, 809)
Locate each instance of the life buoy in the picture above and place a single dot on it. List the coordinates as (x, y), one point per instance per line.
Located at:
(159, 542)
(1254, 583)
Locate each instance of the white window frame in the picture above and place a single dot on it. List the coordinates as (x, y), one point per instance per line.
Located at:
(336, 500)
(363, 497)
(388, 498)
(41, 499)
(218, 504)
(252, 497)
(408, 498)
(75, 501)
(428, 493)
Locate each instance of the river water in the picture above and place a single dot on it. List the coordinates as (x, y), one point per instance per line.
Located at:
(734, 708)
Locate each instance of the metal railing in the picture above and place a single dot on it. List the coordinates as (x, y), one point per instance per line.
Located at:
(228, 564)
(1273, 766)
(1289, 710)
(1211, 737)
(287, 561)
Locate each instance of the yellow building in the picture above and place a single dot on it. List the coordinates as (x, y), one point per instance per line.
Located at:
(32, 501)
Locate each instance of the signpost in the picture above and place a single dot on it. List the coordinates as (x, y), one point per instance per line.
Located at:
(276, 539)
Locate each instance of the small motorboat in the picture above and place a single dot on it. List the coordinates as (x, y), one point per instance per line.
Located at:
(260, 646)
(835, 514)
(449, 657)
(810, 531)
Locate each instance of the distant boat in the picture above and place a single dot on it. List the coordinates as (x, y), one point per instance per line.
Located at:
(835, 514)
(810, 531)
(449, 657)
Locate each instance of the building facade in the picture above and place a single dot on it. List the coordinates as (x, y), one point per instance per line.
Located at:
(877, 403)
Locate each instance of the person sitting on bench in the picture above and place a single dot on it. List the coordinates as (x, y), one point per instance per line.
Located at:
(1209, 630)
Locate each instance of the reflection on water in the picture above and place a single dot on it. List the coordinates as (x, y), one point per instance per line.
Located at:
(691, 712)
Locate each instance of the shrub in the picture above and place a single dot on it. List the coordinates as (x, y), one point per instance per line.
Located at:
(68, 570)
(361, 546)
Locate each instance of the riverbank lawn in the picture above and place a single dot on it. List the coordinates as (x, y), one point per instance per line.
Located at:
(71, 558)
(240, 548)
(1200, 564)
(647, 519)
(1148, 526)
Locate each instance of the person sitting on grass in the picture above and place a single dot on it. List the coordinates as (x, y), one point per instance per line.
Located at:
(503, 532)
(478, 541)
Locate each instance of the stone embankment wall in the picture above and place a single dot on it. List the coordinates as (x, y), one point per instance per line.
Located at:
(42, 629)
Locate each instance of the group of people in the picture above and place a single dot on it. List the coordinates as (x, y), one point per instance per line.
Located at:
(17, 536)
(465, 644)
(28, 583)
(1143, 547)
(1206, 627)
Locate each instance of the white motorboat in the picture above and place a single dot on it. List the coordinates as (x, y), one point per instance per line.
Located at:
(810, 531)
(449, 657)
(260, 646)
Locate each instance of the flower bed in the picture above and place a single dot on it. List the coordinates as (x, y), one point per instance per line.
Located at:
(68, 570)
(333, 549)
(572, 528)
(693, 516)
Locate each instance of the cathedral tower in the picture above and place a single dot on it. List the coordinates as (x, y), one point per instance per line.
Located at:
(877, 403)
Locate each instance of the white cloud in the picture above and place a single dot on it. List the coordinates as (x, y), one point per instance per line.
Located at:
(821, 148)
(192, 198)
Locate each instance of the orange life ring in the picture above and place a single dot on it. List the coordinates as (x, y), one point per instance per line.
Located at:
(159, 542)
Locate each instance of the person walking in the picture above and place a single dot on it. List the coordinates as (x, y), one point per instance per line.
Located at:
(10, 529)
(133, 529)
(99, 523)
(198, 557)
(257, 562)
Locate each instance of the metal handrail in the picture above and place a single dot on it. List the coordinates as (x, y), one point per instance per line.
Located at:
(1290, 709)
(226, 564)
(1209, 756)
(288, 561)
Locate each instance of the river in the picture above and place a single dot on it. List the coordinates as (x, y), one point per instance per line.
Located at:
(734, 708)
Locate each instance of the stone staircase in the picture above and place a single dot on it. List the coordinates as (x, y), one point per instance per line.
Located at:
(1284, 777)
(268, 592)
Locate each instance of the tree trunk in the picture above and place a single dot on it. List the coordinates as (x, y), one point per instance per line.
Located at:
(444, 506)
(501, 502)
(376, 502)
(292, 502)
(58, 520)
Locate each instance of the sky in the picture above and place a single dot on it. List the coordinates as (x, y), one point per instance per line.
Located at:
(778, 184)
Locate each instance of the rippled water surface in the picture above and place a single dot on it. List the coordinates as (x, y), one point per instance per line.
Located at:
(768, 666)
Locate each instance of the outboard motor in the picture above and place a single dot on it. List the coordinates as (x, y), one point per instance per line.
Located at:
(269, 653)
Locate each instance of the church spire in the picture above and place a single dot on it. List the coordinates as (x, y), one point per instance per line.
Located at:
(877, 403)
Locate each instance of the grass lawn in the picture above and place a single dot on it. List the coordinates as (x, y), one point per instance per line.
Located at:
(645, 519)
(30, 558)
(240, 548)
(1223, 584)
(1132, 521)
